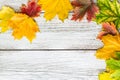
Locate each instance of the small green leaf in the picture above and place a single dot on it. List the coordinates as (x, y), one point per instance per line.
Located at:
(113, 64)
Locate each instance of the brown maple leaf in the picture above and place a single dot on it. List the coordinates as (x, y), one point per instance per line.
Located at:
(32, 9)
(108, 28)
(82, 7)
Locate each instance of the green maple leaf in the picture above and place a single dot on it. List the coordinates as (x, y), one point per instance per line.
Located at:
(116, 75)
(109, 12)
(113, 64)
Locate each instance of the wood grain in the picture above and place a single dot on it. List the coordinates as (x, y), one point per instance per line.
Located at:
(57, 35)
(61, 51)
(54, 34)
(49, 65)
(16, 3)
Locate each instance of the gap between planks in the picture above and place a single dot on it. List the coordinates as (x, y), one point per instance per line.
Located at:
(48, 49)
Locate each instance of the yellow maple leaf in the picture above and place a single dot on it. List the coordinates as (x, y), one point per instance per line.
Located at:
(56, 7)
(5, 14)
(105, 76)
(23, 25)
(111, 45)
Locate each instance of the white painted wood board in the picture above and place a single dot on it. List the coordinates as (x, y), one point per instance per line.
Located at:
(49, 65)
(57, 35)
(54, 34)
(61, 51)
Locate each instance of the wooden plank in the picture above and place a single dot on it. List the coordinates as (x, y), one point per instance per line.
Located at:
(57, 35)
(54, 34)
(52, 41)
(16, 3)
(52, 65)
(49, 65)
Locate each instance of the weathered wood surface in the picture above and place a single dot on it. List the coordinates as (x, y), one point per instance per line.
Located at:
(57, 35)
(54, 34)
(61, 51)
(49, 65)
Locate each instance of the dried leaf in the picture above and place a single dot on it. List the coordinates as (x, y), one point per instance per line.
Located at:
(108, 28)
(5, 14)
(23, 25)
(55, 7)
(105, 76)
(32, 9)
(82, 7)
(111, 45)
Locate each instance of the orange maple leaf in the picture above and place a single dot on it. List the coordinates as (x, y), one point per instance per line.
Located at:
(23, 25)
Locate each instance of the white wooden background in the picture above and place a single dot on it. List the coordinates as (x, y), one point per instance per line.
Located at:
(62, 51)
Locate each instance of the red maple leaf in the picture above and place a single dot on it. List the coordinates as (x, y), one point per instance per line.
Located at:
(82, 7)
(108, 28)
(32, 9)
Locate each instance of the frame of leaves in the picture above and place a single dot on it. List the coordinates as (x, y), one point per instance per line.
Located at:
(104, 12)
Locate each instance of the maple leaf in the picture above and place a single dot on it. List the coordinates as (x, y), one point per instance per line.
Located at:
(105, 75)
(55, 7)
(23, 25)
(108, 28)
(82, 7)
(114, 65)
(111, 45)
(32, 9)
(116, 75)
(5, 14)
(109, 12)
